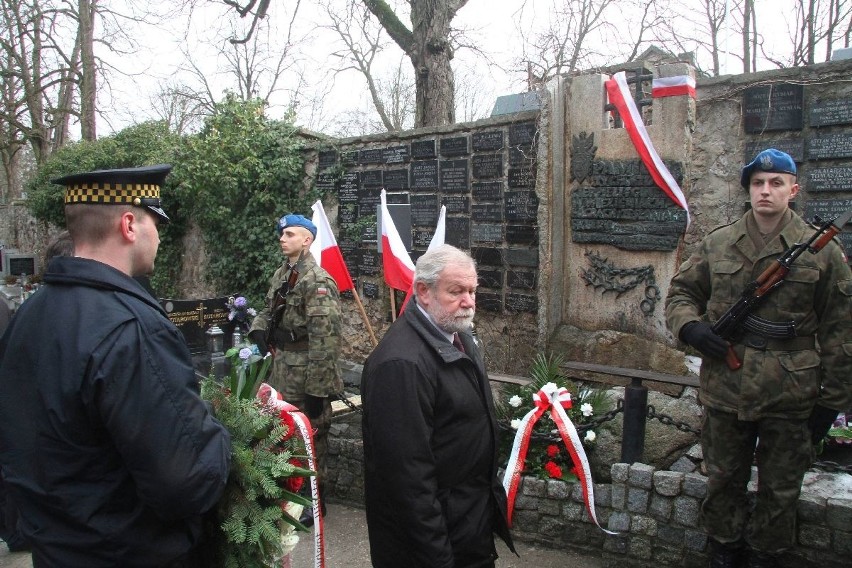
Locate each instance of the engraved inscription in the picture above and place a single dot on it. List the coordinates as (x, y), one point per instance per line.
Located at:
(349, 158)
(521, 234)
(456, 203)
(368, 199)
(523, 133)
(521, 155)
(458, 232)
(793, 146)
(326, 181)
(488, 302)
(369, 263)
(347, 214)
(521, 177)
(326, 159)
(526, 280)
(423, 149)
(371, 178)
(424, 175)
(421, 238)
(487, 140)
(487, 165)
(487, 256)
(370, 290)
(773, 107)
(521, 206)
(396, 179)
(395, 154)
(487, 190)
(454, 146)
(827, 113)
(521, 303)
(486, 233)
(486, 212)
(454, 176)
(837, 145)
(827, 208)
(371, 156)
(834, 178)
(347, 187)
(424, 210)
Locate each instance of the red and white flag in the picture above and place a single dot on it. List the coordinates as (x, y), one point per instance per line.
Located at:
(673, 86)
(620, 96)
(398, 268)
(327, 253)
(440, 234)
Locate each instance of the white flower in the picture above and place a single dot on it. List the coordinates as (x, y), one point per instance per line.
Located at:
(515, 401)
(586, 409)
(550, 387)
(516, 423)
(245, 353)
(590, 436)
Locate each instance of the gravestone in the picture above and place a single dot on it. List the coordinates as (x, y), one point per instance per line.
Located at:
(194, 317)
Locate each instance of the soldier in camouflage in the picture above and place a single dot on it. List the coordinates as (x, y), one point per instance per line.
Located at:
(306, 339)
(787, 391)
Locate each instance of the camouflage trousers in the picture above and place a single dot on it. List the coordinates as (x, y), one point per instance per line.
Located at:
(784, 452)
(289, 380)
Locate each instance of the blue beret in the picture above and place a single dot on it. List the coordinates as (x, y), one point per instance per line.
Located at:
(293, 220)
(128, 186)
(770, 160)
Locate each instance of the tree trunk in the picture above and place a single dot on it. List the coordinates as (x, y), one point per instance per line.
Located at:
(88, 104)
(434, 81)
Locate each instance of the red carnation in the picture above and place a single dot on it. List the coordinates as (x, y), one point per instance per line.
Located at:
(553, 470)
(288, 421)
(552, 450)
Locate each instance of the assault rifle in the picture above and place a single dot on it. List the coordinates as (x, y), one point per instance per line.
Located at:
(277, 305)
(739, 315)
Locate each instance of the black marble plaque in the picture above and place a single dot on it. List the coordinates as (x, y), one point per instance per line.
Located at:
(521, 205)
(347, 214)
(368, 198)
(793, 146)
(487, 140)
(487, 165)
(424, 210)
(488, 302)
(421, 238)
(490, 278)
(371, 156)
(396, 154)
(487, 256)
(349, 158)
(326, 159)
(369, 234)
(454, 176)
(456, 146)
(526, 280)
(521, 303)
(487, 190)
(371, 178)
(398, 198)
(827, 113)
(326, 181)
(486, 212)
(521, 234)
(194, 317)
(522, 257)
(833, 178)
(826, 208)
(521, 177)
(369, 263)
(486, 233)
(522, 134)
(837, 145)
(458, 232)
(347, 187)
(423, 149)
(521, 156)
(773, 107)
(456, 204)
(424, 175)
(370, 290)
(396, 179)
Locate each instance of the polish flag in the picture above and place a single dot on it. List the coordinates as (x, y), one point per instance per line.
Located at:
(326, 252)
(398, 268)
(673, 86)
(440, 230)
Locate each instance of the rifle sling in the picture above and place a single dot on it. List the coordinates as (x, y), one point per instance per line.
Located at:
(763, 343)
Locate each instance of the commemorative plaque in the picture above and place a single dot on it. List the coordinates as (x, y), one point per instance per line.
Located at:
(369, 263)
(396, 198)
(349, 158)
(421, 238)
(371, 178)
(454, 176)
(486, 233)
(424, 210)
(521, 205)
(488, 302)
(521, 303)
(368, 234)
(458, 232)
(456, 204)
(522, 134)
(793, 146)
(489, 278)
(525, 280)
(827, 113)
(486, 212)
(454, 146)
(368, 198)
(521, 234)
(773, 107)
(424, 175)
(194, 317)
(521, 177)
(326, 159)
(347, 187)
(834, 178)
(487, 190)
(488, 140)
(487, 165)
(396, 179)
(521, 155)
(395, 155)
(522, 257)
(326, 181)
(371, 156)
(826, 209)
(370, 290)
(347, 214)
(487, 256)
(423, 149)
(837, 145)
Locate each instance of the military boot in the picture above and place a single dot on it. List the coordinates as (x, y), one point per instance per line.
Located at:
(727, 555)
(758, 559)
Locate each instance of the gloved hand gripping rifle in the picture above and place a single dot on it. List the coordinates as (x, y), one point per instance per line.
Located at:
(277, 305)
(739, 317)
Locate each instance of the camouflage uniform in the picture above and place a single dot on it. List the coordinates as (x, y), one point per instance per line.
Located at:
(770, 398)
(307, 343)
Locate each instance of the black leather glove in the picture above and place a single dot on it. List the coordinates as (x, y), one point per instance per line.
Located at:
(820, 422)
(314, 406)
(258, 337)
(700, 335)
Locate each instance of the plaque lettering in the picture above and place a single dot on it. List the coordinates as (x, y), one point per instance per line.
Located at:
(456, 204)
(370, 290)
(326, 181)
(458, 232)
(487, 190)
(326, 159)
(773, 107)
(521, 234)
(525, 280)
(838, 145)
(521, 303)
(349, 158)
(454, 146)
(521, 206)
(487, 140)
(396, 179)
(793, 146)
(834, 178)
(395, 155)
(488, 302)
(489, 279)
(521, 177)
(827, 113)
(454, 176)
(369, 263)
(522, 134)
(371, 156)
(486, 233)
(347, 187)
(424, 175)
(486, 212)
(487, 256)
(487, 165)
(424, 210)
(423, 149)
(371, 178)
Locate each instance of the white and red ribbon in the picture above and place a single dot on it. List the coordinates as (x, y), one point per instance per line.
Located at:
(556, 400)
(673, 86)
(619, 95)
(273, 398)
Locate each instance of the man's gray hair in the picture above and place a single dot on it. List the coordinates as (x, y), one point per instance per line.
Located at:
(430, 265)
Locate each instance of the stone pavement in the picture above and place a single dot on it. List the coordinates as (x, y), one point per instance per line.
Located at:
(347, 547)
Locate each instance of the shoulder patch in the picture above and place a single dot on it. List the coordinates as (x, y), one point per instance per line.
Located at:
(322, 291)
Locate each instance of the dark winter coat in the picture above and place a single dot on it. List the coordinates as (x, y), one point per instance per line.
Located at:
(431, 489)
(105, 443)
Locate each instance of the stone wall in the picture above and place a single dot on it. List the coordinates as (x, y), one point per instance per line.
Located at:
(654, 512)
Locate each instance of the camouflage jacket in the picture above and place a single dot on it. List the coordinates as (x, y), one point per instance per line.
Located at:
(309, 325)
(817, 295)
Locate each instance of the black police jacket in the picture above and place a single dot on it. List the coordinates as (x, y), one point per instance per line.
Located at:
(105, 444)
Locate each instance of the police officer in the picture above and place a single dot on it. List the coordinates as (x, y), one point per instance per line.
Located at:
(306, 334)
(788, 389)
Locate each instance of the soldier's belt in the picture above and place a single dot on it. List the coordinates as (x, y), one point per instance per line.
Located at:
(298, 346)
(763, 343)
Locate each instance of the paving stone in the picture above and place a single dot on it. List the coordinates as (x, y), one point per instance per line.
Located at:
(619, 472)
(668, 483)
(637, 500)
(641, 475)
(686, 511)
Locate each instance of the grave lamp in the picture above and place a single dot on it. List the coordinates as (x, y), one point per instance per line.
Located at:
(215, 340)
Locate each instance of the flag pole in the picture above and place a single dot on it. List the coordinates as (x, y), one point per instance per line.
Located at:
(364, 316)
(393, 303)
